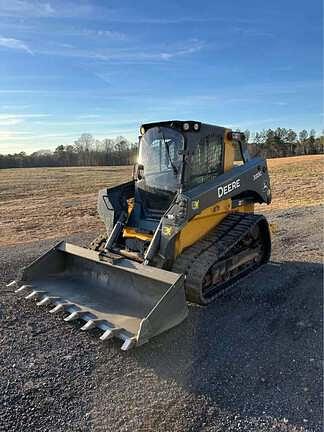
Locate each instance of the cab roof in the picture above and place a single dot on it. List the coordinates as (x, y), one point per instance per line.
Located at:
(179, 125)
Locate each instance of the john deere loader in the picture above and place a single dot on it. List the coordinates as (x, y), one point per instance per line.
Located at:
(182, 230)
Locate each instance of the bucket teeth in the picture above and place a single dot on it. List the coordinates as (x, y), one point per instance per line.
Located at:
(73, 316)
(108, 334)
(90, 324)
(61, 304)
(128, 344)
(59, 307)
(34, 293)
(46, 300)
(23, 288)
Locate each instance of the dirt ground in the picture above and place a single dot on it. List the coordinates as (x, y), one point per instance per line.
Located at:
(41, 203)
(37, 203)
(296, 182)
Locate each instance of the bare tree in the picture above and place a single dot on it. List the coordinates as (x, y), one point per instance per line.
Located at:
(120, 151)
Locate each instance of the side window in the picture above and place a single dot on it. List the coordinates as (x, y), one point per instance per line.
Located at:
(207, 160)
(238, 157)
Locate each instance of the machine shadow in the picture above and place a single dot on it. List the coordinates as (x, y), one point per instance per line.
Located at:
(257, 351)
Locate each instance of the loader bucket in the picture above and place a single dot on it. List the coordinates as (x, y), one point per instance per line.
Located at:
(129, 300)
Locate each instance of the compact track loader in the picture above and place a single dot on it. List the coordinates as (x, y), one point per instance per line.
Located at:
(182, 229)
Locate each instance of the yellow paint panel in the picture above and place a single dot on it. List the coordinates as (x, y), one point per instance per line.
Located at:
(130, 205)
(132, 233)
(245, 208)
(201, 224)
(229, 152)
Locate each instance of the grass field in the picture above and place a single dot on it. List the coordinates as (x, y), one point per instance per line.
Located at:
(38, 203)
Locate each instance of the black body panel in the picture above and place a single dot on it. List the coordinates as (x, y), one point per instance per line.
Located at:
(249, 181)
(112, 202)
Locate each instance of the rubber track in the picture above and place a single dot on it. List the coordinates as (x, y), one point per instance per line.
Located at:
(196, 260)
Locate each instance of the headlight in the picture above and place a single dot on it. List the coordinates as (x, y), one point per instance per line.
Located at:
(186, 126)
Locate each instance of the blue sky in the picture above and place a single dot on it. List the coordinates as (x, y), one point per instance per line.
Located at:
(103, 67)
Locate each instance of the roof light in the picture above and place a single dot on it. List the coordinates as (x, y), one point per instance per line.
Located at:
(186, 126)
(142, 130)
(237, 136)
(196, 126)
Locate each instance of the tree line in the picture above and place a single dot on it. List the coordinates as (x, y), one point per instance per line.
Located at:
(87, 150)
(282, 142)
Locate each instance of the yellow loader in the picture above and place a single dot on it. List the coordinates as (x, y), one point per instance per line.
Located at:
(182, 230)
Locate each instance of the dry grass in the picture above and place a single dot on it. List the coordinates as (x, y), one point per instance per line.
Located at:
(296, 182)
(38, 203)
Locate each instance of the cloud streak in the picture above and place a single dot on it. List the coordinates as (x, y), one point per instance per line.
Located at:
(11, 121)
(15, 44)
(132, 55)
(15, 119)
(46, 9)
(14, 107)
(105, 34)
(8, 116)
(26, 8)
(77, 8)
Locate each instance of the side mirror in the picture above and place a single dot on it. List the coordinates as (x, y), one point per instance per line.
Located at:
(138, 171)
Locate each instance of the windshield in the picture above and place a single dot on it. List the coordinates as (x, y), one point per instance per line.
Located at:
(161, 154)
